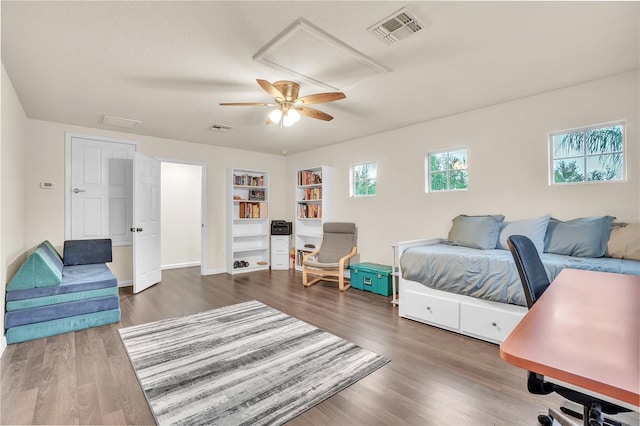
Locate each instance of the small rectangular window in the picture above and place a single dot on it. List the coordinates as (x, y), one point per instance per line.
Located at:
(446, 171)
(589, 154)
(364, 179)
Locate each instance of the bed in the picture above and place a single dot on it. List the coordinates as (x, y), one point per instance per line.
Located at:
(477, 291)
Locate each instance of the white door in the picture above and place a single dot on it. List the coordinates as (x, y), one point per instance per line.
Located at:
(100, 190)
(147, 254)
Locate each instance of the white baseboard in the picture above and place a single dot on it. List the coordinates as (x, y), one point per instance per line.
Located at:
(3, 345)
(180, 265)
(215, 271)
(128, 283)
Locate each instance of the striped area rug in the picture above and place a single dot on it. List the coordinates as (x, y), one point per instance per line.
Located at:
(241, 364)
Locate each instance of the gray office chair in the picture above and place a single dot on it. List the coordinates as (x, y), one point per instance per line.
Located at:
(534, 282)
(331, 259)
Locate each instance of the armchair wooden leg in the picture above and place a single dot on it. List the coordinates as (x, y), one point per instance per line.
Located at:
(342, 283)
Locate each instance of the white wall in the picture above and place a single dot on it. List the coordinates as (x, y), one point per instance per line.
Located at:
(45, 209)
(181, 214)
(507, 147)
(508, 166)
(13, 246)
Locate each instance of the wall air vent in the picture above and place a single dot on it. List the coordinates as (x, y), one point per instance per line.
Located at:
(396, 27)
(220, 127)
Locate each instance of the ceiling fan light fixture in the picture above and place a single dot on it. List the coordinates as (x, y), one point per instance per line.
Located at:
(294, 115)
(275, 115)
(287, 121)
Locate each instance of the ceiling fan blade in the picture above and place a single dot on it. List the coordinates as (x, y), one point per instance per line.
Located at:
(314, 113)
(245, 104)
(270, 89)
(319, 98)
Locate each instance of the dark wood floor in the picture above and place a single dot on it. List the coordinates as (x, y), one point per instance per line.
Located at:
(434, 378)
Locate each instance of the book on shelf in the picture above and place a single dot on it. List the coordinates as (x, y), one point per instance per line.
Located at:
(308, 177)
(256, 195)
(248, 210)
(248, 180)
(309, 211)
(313, 194)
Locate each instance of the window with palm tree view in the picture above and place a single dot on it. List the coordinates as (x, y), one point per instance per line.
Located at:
(364, 179)
(446, 171)
(590, 154)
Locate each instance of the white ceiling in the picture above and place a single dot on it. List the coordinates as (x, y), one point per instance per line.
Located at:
(169, 64)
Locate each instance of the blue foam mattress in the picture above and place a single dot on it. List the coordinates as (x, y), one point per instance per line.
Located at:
(60, 310)
(62, 325)
(74, 279)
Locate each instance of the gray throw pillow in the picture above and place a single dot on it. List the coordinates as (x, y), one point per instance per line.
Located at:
(480, 232)
(535, 229)
(582, 237)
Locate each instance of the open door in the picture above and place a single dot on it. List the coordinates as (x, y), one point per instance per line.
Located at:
(146, 223)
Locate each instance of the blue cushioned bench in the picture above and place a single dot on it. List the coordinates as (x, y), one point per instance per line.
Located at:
(51, 295)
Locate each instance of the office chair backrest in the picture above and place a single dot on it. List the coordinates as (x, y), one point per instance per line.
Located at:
(532, 273)
(338, 239)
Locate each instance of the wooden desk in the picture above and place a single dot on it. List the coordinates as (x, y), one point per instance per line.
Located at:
(584, 330)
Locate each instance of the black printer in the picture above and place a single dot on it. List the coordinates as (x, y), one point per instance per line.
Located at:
(280, 227)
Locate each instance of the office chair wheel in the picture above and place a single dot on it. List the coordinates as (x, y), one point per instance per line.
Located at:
(545, 419)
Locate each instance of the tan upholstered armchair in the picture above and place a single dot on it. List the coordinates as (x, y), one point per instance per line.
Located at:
(331, 259)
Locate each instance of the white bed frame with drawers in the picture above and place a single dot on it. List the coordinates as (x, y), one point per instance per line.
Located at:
(482, 319)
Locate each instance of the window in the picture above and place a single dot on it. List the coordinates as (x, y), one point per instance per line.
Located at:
(446, 171)
(588, 155)
(364, 179)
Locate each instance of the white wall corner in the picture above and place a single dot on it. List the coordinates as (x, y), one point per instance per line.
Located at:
(3, 345)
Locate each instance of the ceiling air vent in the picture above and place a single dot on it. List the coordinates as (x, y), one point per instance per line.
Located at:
(220, 127)
(126, 123)
(396, 27)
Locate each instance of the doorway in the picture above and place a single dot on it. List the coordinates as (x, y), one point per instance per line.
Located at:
(183, 217)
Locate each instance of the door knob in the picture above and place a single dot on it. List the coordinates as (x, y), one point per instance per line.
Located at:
(76, 190)
(138, 229)
(135, 229)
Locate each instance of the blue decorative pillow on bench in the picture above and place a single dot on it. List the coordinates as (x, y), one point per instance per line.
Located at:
(87, 252)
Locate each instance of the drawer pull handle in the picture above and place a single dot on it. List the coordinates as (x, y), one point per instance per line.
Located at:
(428, 308)
(494, 324)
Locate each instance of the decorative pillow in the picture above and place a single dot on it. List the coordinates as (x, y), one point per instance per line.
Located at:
(535, 229)
(480, 232)
(583, 237)
(624, 242)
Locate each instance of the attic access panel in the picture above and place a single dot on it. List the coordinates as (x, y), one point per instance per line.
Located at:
(311, 54)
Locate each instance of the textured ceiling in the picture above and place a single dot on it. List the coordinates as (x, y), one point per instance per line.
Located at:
(169, 64)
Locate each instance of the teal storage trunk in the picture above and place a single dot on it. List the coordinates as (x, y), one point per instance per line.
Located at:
(371, 277)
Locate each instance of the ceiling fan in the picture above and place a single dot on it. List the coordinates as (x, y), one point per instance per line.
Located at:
(290, 106)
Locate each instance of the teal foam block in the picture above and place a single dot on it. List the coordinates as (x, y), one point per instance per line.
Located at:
(35, 302)
(39, 270)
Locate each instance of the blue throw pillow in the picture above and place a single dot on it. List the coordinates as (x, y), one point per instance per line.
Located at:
(583, 237)
(480, 232)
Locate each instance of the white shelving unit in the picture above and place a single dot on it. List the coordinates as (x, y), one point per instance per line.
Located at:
(313, 208)
(247, 220)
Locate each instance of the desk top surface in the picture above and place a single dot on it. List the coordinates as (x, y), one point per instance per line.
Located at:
(584, 330)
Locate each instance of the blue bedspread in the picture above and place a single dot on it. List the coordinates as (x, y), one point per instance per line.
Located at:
(491, 274)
